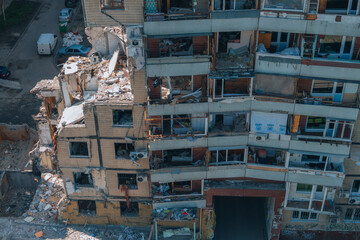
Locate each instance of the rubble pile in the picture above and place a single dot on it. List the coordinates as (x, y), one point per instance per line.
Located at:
(130, 234)
(111, 78)
(70, 39)
(13, 154)
(177, 214)
(49, 198)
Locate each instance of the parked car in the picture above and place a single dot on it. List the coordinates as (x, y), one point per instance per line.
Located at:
(75, 50)
(65, 15)
(46, 43)
(70, 3)
(4, 72)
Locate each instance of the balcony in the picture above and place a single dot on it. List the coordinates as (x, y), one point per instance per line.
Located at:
(314, 198)
(320, 68)
(176, 56)
(178, 195)
(180, 17)
(300, 23)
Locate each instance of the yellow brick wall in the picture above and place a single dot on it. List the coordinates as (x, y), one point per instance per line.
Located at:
(108, 213)
(112, 183)
(133, 13)
(81, 131)
(82, 191)
(65, 160)
(109, 160)
(105, 119)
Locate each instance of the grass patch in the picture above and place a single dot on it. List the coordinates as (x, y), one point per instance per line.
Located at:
(16, 13)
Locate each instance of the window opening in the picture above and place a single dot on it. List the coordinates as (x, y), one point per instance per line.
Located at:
(128, 180)
(87, 207)
(79, 149)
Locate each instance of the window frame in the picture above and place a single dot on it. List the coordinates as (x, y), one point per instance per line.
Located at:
(123, 158)
(82, 213)
(123, 125)
(341, 54)
(284, 9)
(300, 214)
(352, 186)
(354, 212)
(303, 191)
(79, 156)
(90, 178)
(103, 7)
(130, 187)
(314, 129)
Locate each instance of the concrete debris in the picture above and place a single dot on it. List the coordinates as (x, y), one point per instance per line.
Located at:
(28, 219)
(48, 199)
(70, 39)
(176, 232)
(130, 234)
(72, 115)
(177, 214)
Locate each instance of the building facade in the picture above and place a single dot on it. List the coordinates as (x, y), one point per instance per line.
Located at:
(231, 102)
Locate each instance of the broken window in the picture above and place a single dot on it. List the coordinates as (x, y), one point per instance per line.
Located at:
(178, 157)
(128, 180)
(176, 47)
(294, 5)
(79, 149)
(122, 118)
(303, 187)
(339, 6)
(230, 87)
(131, 210)
(183, 186)
(307, 216)
(123, 150)
(228, 122)
(112, 4)
(336, 47)
(315, 123)
(87, 207)
(234, 4)
(83, 179)
(227, 156)
(182, 124)
(356, 186)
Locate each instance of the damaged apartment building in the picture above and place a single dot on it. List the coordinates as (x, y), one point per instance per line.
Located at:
(211, 116)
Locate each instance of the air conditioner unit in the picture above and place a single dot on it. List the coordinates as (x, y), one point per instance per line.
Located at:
(261, 138)
(137, 155)
(142, 177)
(354, 201)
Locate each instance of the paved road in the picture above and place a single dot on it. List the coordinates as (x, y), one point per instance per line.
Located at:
(28, 68)
(240, 218)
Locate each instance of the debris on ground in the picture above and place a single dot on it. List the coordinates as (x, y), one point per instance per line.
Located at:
(49, 197)
(129, 234)
(176, 232)
(71, 38)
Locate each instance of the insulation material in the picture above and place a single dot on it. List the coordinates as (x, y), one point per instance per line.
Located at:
(262, 122)
(71, 115)
(71, 39)
(264, 84)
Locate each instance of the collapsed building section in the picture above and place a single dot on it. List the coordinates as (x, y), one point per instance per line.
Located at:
(197, 114)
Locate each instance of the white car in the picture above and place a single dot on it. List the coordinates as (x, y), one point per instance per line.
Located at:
(65, 14)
